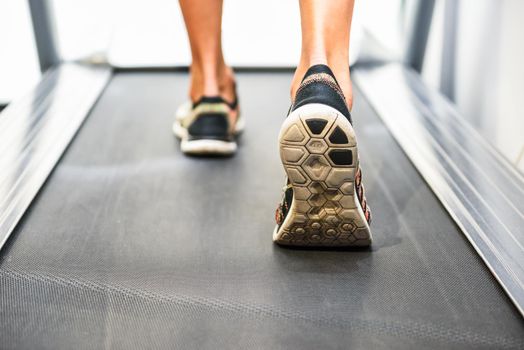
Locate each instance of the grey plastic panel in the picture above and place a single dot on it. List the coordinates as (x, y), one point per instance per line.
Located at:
(132, 245)
(36, 129)
(43, 23)
(480, 189)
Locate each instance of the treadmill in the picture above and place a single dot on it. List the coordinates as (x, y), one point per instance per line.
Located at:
(114, 239)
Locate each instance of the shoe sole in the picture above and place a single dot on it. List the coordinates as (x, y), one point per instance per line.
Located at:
(319, 153)
(208, 147)
(205, 146)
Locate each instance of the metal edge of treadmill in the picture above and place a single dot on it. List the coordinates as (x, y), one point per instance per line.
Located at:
(482, 192)
(36, 130)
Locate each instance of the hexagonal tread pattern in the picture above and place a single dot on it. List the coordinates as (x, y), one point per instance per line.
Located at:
(293, 134)
(319, 153)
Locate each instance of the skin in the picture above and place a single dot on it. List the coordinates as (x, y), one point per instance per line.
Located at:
(210, 76)
(325, 39)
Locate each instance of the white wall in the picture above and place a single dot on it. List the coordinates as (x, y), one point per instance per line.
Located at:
(509, 95)
(151, 33)
(489, 86)
(18, 64)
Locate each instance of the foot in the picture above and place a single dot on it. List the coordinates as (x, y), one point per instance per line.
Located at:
(323, 202)
(208, 126)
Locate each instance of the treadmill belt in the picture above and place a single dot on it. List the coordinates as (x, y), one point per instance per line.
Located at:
(130, 244)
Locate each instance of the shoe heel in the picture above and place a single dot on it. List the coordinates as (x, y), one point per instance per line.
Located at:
(319, 153)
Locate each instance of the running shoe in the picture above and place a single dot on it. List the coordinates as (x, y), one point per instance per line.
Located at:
(323, 202)
(208, 126)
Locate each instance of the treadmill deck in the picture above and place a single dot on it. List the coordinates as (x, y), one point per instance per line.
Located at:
(131, 244)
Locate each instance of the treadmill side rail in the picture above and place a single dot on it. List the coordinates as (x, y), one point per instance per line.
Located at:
(482, 192)
(36, 129)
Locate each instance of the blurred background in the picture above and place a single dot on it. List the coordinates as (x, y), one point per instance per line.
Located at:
(474, 52)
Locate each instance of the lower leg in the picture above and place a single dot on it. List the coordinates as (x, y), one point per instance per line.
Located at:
(210, 76)
(325, 40)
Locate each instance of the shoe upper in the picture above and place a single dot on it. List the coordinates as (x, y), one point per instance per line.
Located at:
(319, 85)
(210, 118)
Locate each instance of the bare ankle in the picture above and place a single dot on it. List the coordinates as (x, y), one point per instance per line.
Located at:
(211, 81)
(227, 84)
(342, 74)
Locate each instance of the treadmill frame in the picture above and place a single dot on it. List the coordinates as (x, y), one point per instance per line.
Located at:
(436, 155)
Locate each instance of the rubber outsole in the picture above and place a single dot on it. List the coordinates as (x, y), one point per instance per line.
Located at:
(208, 147)
(319, 153)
